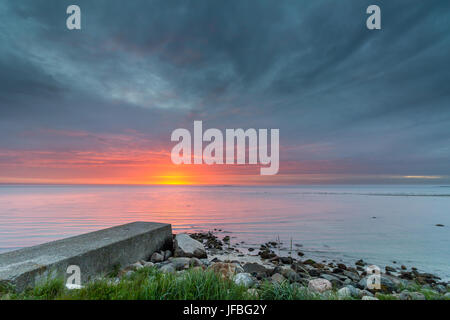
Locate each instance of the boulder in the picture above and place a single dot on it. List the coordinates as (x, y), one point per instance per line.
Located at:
(386, 284)
(319, 285)
(156, 257)
(360, 263)
(244, 279)
(256, 269)
(286, 260)
(267, 254)
(348, 292)
(342, 266)
(180, 263)
(362, 293)
(351, 275)
(440, 288)
(290, 274)
(167, 254)
(148, 264)
(167, 268)
(137, 266)
(309, 262)
(390, 269)
(226, 269)
(185, 246)
(195, 262)
(277, 278)
(406, 295)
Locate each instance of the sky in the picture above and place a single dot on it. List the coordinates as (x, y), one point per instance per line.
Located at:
(98, 105)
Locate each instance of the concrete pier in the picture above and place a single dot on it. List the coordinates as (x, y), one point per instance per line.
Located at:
(95, 253)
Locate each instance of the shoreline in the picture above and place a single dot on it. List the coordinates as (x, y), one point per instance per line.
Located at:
(292, 248)
(269, 254)
(260, 273)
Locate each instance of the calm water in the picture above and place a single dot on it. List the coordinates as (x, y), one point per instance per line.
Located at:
(329, 222)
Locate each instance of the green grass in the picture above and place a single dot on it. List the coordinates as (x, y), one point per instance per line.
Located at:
(151, 284)
(285, 291)
(144, 284)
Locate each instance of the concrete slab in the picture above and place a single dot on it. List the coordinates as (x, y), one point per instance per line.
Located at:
(95, 253)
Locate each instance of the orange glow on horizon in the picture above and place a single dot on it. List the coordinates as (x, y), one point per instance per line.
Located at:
(124, 165)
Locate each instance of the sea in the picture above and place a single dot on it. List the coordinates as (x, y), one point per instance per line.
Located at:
(381, 224)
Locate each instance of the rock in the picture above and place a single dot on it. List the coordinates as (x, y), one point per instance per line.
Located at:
(205, 262)
(286, 260)
(180, 263)
(167, 254)
(362, 293)
(360, 263)
(289, 274)
(299, 267)
(195, 262)
(344, 293)
(244, 279)
(369, 298)
(406, 275)
(300, 254)
(406, 295)
(348, 292)
(294, 277)
(386, 284)
(167, 268)
(148, 264)
(347, 281)
(211, 241)
(390, 269)
(439, 225)
(238, 267)
(277, 278)
(403, 267)
(256, 269)
(314, 273)
(319, 285)
(440, 288)
(332, 278)
(251, 249)
(156, 257)
(309, 262)
(137, 266)
(227, 270)
(267, 254)
(128, 270)
(185, 246)
(352, 275)
(342, 266)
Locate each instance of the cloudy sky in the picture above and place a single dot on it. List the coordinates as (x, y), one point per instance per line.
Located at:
(98, 105)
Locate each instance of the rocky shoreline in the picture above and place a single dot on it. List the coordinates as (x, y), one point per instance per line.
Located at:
(205, 251)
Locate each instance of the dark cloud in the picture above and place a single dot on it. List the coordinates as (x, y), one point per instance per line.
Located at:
(310, 68)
